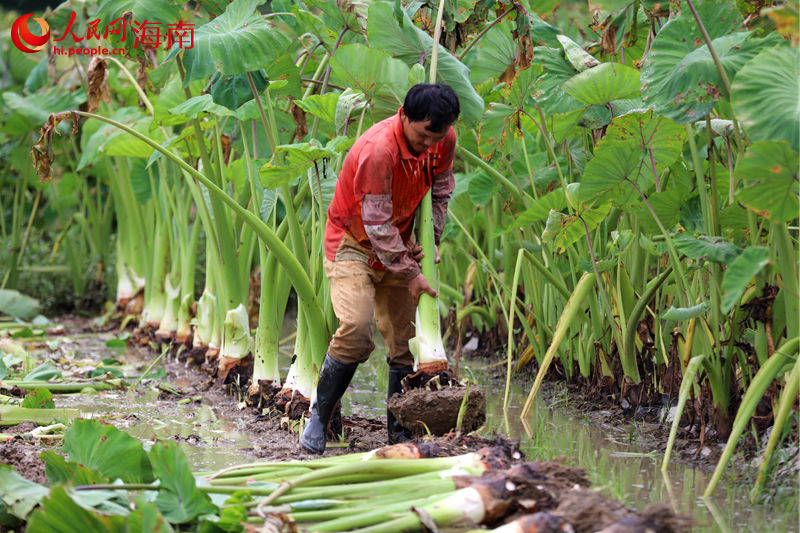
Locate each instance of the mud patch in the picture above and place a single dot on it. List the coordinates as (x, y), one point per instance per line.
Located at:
(24, 457)
(438, 410)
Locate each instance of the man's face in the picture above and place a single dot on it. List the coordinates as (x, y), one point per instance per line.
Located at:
(418, 137)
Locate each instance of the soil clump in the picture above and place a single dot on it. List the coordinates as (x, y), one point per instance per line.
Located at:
(431, 402)
(24, 457)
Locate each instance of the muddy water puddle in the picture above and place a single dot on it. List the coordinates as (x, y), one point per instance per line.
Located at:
(619, 458)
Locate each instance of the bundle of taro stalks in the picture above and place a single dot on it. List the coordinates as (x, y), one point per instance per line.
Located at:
(423, 487)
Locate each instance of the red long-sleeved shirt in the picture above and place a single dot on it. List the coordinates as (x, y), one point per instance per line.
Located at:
(378, 191)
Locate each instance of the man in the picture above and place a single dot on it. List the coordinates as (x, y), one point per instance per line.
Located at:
(371, 259)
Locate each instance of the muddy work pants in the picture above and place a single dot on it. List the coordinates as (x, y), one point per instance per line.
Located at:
(361, 296)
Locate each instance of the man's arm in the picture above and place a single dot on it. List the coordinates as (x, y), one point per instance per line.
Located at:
(376, 212)
(373, 191)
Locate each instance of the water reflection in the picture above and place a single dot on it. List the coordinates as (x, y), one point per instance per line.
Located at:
(617, 461)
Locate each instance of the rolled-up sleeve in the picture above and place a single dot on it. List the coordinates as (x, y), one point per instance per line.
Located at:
(373, 190)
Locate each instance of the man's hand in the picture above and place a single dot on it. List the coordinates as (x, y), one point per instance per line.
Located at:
(420, 285)
(417, 254)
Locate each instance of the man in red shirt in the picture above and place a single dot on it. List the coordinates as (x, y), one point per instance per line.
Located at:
(371, 259)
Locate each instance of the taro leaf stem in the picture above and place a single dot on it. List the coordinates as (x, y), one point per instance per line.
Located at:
(571, 310)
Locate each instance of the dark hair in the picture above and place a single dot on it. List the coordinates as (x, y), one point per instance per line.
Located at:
(432, 101)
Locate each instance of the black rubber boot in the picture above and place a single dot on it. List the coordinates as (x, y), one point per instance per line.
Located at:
(397, 433)
(333, 381)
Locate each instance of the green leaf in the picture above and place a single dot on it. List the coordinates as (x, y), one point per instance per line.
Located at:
(502, 122)
(692, 215)
(579, 58)
(480, 188)
(739, 273)
(200, 104)
(297, 158)
(61, 514)
(60, 471)
(497, 123)
(679, 76)
(320, 105)
(713, 249)
(349, 101)
(19, 494)
(770, 170)
(766, 95)
(608, 5)
(555, 71)
(146, 517)
(233, 91)
(494, 53)
(39, 399)
(603, 84)
(18, 305)
(35, 109)
(162, 12)
(632, 145)
(43, 372)
(409, 43)
(539, 210)
(117, 343)
(564, 230)
(37, 78)
(666, 204)
(239, 40)
(112, 452)
(179, 499)
(685, 313)
(376, 74)
(98, 141)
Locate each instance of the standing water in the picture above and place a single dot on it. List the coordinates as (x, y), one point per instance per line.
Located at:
(617, 455)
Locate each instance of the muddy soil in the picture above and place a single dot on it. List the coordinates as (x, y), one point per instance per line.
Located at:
(24, 457)
(421, 410)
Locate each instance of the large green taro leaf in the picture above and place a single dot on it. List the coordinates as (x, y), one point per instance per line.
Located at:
(667, 207)
(679, 76)
(238, 41)
(563, 230)
(539, 210)
(235, 90)
(555, 71)
(19, 495)
(112, 452)
(739, 273)
(341, 14)
(178, 498)
(149, 10)
(16, 304)
(634, 144)
(61, 514)
(766, 95)
(60, 471)
(383, 79)
(501, 121)
(603, 84)
(494, 53)
(714, 249)
(770, 169)
(412, 45)
(34, 109)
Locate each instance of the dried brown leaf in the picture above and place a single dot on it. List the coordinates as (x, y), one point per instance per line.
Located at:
(97, 77)
(299, 116)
